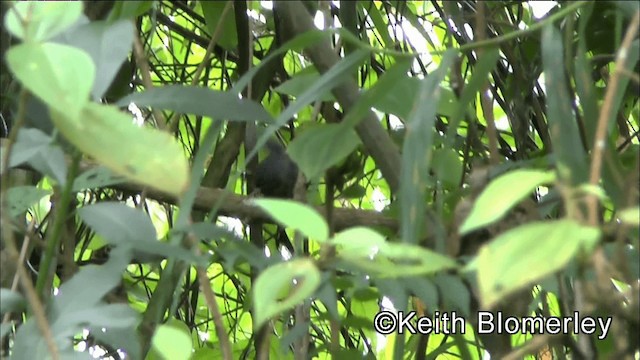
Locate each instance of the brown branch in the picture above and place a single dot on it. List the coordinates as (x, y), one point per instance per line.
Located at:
(239, 206)
(373, 136)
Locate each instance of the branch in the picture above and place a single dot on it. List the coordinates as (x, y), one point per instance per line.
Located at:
(373, 136)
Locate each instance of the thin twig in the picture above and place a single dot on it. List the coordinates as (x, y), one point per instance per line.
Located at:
(145, 72)
(603, 119)
(516, 34)
(21, 257)
(210, 298)
(173, 122)
(10, 244)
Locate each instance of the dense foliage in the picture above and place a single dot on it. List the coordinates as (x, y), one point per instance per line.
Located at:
(468, 160)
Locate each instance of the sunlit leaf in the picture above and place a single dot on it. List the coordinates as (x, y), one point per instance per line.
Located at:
(296, 216)
(43, 19)
(502, 194)
(528, 253)
(60, 75)
(146, 156)
(300, 276)
(172, 341)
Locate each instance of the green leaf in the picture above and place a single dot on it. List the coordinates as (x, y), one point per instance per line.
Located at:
(447, 166)
(30, 142)
(297, 216)
(35, 147)
(453, 292)
(43, 19)
(378, 21)
(197, 100)
(172, 341)
(502, 194)
(299, 83)
(319, 148)
(129, 9)
(360, 241)
(117, 222)
(87, 287)
(147, 156)
(10, 301)
(368, 250)
(332, 78)
(108, 44)
(630, 216)
(411, 259)
(274, 279)
(212, 11)
(521, 256)
(399, 99)
(60, 75)
(123, 225)
(96, 177)
(563, 129)
(20, 198)
(416, 152)
(383, 94)
(478, 79)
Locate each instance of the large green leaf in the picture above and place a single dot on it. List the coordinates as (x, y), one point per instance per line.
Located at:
(319, 148)
(568, 147)
(398, 100)
(171, 341)
(528, 253)
(10, 301)
(360, 241)
(416, 152)
(78, 305)
(369, 251)
(447, 166)
(20, 198)
(123, 225)
(502, 194)
(299, 83)
(300, 277)
(212, 11)
(43, 19)
(379, 94)
(218, 105)
(60, 75)
(108, 44)
(129, 9)
(297, 216)
(143, 155)
(392, 260)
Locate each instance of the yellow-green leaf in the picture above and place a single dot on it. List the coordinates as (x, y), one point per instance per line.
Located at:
(143, 155)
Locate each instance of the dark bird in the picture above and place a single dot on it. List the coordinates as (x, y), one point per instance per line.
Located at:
(277, 174)
(276, 177)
